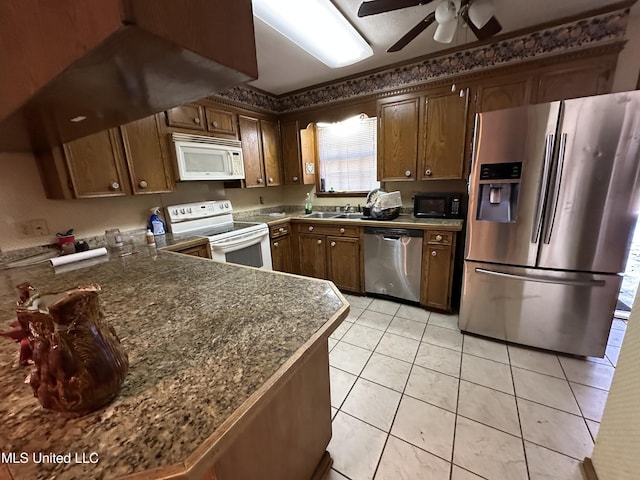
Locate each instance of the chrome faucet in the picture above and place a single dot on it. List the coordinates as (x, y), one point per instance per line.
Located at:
(347, 208)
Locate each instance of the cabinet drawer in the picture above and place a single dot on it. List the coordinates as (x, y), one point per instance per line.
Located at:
(439, 238)
(324, 229)
(189, 116)
(279, 230)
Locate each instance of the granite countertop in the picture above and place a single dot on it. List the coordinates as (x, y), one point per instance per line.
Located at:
(202, 336)
(404, 219)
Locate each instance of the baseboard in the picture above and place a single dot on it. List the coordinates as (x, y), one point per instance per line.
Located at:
(588, 471)
(324, 467)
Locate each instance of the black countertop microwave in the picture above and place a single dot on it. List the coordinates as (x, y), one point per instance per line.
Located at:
(437, 205)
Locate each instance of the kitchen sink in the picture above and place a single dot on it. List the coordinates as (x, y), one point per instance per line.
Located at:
(354, 215)
(324, 215)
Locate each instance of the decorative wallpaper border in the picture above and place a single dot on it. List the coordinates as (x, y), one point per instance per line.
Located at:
(573, 36)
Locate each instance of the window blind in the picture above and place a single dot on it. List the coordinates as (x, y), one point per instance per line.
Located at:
(347, 155)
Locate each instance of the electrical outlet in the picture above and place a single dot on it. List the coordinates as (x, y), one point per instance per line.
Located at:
(39, 227)
(25, 229)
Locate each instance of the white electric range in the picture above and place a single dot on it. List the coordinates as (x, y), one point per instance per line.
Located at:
(244, 243)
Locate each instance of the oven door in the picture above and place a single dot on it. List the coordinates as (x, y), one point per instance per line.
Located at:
(251, 249)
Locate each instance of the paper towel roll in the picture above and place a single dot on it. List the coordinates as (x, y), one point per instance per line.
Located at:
(76, 257)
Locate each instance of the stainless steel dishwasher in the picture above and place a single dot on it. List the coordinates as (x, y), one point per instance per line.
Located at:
(393, 262)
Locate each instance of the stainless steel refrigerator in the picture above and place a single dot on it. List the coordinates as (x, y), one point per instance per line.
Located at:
(553, 199)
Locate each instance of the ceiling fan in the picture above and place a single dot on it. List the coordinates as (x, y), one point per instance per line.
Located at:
(477, 14)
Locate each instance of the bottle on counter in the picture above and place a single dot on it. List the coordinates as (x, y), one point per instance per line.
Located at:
(156, 225)
(308, 204)
(151, 240)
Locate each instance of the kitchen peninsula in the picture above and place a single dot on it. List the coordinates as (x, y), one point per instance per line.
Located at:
(228, 374)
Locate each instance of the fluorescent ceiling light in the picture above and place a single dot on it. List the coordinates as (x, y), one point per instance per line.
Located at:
(317, 27)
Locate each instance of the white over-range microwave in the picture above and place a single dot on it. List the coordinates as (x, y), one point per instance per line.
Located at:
(207, 158)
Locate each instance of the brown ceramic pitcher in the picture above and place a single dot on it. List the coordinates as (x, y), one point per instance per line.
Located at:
(80, 364)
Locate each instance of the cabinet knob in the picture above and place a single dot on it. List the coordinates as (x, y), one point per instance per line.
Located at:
(434, 253)
(260, 180)
(311, 228)
(214, 124)
(333, 244)
(407, 173)
(438, 238)
(275, 244)
(319, 242)
(428, 172)
(196, 120)
(342, 230)
(270, 180)
(114, 186)
(295, 179)
(143, 184)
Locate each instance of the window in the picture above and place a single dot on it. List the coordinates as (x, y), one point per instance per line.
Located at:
(347, 155)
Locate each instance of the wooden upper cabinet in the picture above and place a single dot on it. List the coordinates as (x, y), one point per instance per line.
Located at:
(291, 157)
(190, 116)
(96, 165)
(294, 156)
(147, 156)
(445, 131)
(251, 139)
(398, 122)
(497, 93)
(271, 152)
(588, 78)
(309, 153)
(221, 122)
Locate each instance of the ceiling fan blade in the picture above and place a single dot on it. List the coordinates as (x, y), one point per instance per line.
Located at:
(413, 33)
(381, 6)
(491, 28)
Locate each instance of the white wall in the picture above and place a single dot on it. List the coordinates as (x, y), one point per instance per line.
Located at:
(22, 198)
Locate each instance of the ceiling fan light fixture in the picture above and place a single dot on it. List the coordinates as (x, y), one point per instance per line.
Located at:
(447, 10)
(317, 27)
(480, 12)
(446, 31)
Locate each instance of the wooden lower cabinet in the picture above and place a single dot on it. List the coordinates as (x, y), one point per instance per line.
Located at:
(313, 256)
(437, 269)
(342, 262)
(196, 251)
(281, 249)
(332, 252)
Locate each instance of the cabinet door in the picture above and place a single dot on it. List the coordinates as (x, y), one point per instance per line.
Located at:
(199, 251)
(252, 151)
(190, 115)
(146, 152)
(281, 254)
(436, 276)
(96, 167)
(221, 122)
(504, 92)
(445, 130)
(271, 152)
(313, 255)
(398, 139)
(343, 262)
(592, 79)
(291, 160)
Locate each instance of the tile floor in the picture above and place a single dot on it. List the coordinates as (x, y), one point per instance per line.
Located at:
(413, 398)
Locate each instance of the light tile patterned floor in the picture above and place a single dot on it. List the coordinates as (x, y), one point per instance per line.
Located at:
(413, 398)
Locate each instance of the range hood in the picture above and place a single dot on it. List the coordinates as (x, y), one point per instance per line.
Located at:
(112, 62)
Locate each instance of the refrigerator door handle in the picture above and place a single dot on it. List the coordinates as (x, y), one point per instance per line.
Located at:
(577, 283)
(537, 220)
(556, 190)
